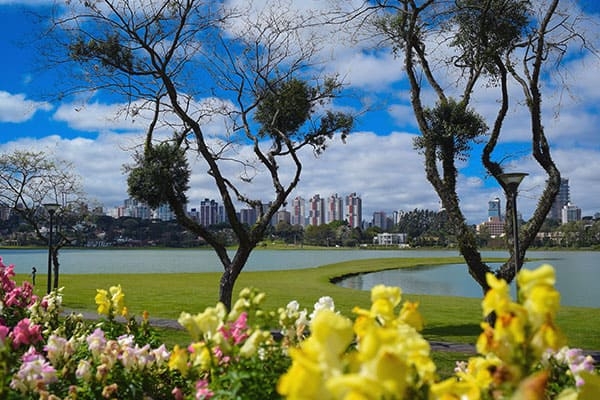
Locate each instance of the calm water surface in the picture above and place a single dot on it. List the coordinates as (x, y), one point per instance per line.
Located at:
(577, 272)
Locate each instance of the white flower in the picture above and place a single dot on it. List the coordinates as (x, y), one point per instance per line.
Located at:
(324, 303)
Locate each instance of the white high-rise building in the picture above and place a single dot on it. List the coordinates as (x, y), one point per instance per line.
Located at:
(335, 208)
(570, 213)
(354, 210)
(298, 213)
(316, 210)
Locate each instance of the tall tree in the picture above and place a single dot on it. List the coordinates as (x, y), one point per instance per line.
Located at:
(31, 179)
(491, 43)
(188, 66)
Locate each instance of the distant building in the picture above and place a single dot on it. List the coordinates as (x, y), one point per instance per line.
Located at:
(494, 209)
(380, 220)
(298, 213)
(248, 216)
(136, 209)
(562, 199)
(494, 227)
(390, 239)
(316, 210)
(570, 213)
(164, 213)
(211, 213)
(282, 216)
(354, 210)
(335, 208)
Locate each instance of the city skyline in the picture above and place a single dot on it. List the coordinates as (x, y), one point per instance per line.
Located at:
(377, 160)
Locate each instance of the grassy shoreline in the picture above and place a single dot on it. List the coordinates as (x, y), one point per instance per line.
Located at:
(453, 319)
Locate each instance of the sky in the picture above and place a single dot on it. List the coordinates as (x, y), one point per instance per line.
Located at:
(377, 161)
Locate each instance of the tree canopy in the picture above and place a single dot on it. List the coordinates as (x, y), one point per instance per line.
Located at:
(207, 78)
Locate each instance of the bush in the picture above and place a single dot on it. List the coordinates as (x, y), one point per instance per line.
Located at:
(236, 354)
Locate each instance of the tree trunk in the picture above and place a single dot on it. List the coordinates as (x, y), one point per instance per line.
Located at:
(230, 274)
(56, 266)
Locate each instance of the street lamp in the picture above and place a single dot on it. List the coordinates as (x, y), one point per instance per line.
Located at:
(51, 208)
(511, 183)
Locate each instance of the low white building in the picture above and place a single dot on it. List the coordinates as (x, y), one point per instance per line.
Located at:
(390, 239)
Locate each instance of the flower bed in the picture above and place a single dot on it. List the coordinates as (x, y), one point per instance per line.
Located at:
(377, 354)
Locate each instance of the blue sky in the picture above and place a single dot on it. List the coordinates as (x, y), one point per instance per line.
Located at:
(377, 162)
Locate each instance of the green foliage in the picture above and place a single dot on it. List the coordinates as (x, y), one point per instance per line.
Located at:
(160, 176)
(251, 378)
(486, 30)
(452, 128)
(284, 107)
(109, 51)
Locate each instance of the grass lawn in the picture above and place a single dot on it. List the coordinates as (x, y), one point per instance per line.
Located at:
(453, 319)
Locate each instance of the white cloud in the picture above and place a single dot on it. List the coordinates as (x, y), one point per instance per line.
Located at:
(17, 108)
(383, 170)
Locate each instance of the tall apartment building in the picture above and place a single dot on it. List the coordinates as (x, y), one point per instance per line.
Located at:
(164, 213)
(136, 209)
(248, 216)
(570, 213)
(298, 212)
(380, 220)
(354, 210)
(494, 212)
(316, 210)
(211, 213)
(562, 199)
(283, 216)
(335, 208)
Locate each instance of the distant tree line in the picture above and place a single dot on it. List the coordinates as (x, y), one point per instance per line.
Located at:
(424, 228)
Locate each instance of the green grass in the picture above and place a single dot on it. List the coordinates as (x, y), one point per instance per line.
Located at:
(453, 319)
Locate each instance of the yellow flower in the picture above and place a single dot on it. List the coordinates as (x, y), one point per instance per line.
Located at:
(356, 387)
(117, 299)
(384, 300)
(304, 378)
(547, 337)
(253, 342)
(454, 389)
(542, 303)
(498, 297)
(204, 325)
(527, 279)
(411, 315)
(103, 302)
(200, 355)
(332, 331)
(179, 360)
(389, 293)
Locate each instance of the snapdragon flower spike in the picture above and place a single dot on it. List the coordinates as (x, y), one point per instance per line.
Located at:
(34, 374)
(25, 333)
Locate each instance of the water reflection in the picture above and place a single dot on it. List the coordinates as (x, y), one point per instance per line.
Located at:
(446, 280)
(576, 279)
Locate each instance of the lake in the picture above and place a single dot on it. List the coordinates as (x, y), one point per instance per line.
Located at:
(576, 272)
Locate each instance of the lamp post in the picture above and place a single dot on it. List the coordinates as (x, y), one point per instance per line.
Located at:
(511, 182)
(51, 208)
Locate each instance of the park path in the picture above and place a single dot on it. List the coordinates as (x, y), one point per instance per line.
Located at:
(466, 348)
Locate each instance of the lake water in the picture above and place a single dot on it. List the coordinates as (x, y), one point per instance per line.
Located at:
(577, 272)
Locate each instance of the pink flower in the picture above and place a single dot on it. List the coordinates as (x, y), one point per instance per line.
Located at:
(26, 333)
(177, 393)
(35, 373)
(6, 274)
(202, 390)
(4, 330)
(236, 330)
